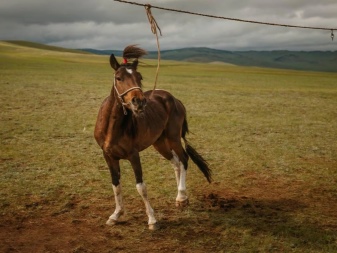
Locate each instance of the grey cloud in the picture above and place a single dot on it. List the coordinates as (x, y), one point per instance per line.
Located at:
(107, 24)
(65, 11)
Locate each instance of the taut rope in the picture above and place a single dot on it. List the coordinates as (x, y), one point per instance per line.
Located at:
(154, 26)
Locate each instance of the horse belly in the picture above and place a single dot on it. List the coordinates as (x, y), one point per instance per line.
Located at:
(146, 139)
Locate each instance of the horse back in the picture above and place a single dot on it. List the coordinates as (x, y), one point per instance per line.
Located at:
(175, 123)
(165, 99)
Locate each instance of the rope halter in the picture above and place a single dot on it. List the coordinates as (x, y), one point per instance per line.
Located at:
(120, 95)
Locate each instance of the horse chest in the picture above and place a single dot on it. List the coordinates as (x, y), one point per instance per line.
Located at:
(121, 144)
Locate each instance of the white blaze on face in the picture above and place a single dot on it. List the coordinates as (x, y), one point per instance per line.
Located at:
(129, 71)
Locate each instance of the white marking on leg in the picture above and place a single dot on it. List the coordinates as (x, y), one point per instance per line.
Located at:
(141, 188)
(176, 166)
(180, 173)
(119, 210)
(182, 197)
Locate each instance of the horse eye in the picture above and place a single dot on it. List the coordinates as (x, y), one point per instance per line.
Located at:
(118, 78)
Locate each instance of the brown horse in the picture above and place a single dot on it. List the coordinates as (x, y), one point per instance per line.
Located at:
(131, 120)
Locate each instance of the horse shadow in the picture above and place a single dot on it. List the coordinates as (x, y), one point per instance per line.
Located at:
(282, 219)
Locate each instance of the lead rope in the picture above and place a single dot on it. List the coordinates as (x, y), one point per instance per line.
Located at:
(154, 26)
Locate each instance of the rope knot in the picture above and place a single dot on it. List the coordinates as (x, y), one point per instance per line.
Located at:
(152, 21)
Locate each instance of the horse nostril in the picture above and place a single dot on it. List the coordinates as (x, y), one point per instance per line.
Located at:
(134, 101)
(139, 103)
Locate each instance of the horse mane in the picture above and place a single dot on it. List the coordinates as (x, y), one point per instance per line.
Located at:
(133, 52)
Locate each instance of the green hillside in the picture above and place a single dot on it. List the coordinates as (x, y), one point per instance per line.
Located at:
(325, 61)
(298, 60)
(44, 47)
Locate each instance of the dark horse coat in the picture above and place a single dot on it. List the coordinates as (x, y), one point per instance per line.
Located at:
(131, 120)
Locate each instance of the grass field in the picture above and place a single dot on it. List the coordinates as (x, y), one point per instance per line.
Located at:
(269, 136)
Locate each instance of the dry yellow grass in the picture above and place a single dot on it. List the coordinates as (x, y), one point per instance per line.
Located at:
(269, 136)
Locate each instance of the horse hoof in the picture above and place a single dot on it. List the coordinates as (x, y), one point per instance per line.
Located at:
(154, 226)
(182, 204)
(111, 222)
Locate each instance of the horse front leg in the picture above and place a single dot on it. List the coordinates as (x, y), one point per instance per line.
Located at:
(152, 222)
(119, 209)
(142, 190)
(117, 189)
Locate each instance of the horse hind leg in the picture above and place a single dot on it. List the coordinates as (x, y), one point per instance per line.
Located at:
(175, 162)
(163, 146)
(180, 173)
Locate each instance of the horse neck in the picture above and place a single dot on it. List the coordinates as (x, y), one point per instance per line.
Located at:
(116, 113)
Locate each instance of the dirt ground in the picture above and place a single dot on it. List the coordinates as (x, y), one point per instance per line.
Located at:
(79, 225)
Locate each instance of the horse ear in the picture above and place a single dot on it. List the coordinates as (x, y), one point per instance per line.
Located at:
(135, 63)
(113, 62)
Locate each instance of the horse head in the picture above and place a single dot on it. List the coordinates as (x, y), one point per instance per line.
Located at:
(127, 80)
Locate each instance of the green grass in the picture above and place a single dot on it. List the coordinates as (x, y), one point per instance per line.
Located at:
(269, 136)
(39, 46)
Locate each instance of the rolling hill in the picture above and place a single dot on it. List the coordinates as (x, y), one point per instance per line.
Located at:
(44, 47)
(298, 60)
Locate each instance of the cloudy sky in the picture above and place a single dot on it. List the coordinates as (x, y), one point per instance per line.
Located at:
(107, 24)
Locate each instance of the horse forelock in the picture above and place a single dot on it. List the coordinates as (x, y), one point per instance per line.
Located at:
(133, 52)
(126, 65)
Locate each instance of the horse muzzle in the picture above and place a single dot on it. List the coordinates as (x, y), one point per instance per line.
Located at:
(138, 104)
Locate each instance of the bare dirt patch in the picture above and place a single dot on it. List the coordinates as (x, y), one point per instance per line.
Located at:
(275, 207)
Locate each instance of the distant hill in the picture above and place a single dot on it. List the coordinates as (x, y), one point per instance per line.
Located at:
(102, 52)
(44, 47)
(299, 60)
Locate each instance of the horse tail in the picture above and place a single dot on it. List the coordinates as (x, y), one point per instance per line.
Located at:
(195, 156)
